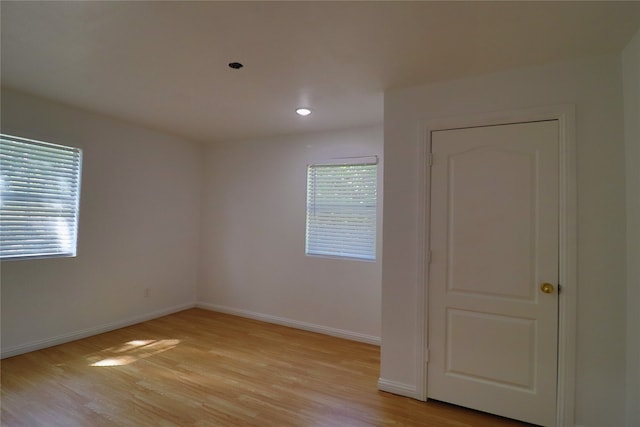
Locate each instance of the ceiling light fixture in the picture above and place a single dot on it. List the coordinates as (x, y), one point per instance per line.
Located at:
(303, 111)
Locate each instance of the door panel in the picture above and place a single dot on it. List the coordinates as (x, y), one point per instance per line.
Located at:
(489, 362)
(507, 214)
(494, 240)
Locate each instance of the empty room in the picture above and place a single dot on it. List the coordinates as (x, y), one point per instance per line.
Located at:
(320, 213)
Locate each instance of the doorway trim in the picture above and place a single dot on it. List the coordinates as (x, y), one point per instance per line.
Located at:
(567, 323)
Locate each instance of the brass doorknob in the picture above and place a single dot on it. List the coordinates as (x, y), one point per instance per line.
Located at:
(546, 288)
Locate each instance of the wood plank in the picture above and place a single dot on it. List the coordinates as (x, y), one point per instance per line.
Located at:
(202, 368)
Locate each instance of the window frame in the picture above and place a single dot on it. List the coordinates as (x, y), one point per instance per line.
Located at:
(21, 207)
(371, 212)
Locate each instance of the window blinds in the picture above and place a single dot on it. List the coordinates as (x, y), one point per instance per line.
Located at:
(341, 210)
(39, 198)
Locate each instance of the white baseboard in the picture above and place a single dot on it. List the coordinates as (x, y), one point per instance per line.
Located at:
(340, 333)
(398, 388)
(61, 339)
(64, 338)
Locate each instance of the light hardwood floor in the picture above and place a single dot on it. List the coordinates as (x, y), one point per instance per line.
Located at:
(201, 368)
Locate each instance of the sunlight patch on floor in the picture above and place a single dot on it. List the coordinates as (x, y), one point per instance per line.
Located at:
(130, 352)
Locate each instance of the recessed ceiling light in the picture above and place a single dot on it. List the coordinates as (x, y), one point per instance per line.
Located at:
(303, 111)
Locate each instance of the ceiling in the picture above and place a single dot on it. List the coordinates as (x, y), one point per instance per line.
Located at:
(164, 64)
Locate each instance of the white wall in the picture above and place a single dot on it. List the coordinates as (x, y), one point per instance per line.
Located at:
(594, 86)
(139, 222)
(254, 237)
(631, 85)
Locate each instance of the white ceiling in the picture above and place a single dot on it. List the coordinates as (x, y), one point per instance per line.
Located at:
(164, 64)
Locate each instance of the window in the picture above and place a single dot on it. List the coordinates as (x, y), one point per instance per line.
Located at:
(341, 209)
(39, 198)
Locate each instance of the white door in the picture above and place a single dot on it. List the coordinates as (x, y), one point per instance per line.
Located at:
(494, 242)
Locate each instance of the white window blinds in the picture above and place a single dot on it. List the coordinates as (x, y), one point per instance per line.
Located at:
(341, 210)
(39, 198)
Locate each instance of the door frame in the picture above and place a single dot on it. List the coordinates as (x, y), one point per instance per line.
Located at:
(565, 114)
